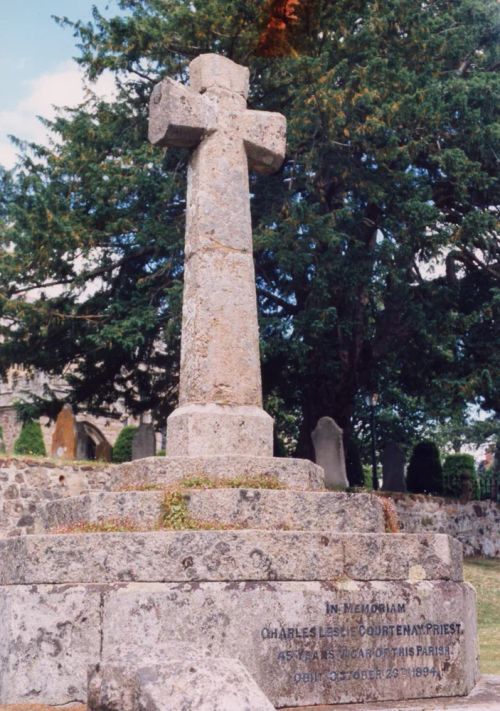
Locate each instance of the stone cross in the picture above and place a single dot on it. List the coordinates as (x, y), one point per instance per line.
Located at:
(220, 396)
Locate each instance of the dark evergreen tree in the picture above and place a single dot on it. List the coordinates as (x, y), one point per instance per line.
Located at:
(459, 476)
(122, 451)
(425, 473)
(30, 440)
(392, 167)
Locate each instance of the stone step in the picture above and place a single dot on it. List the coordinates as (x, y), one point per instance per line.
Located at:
(240, 508)
(210, 556)
(293, 473)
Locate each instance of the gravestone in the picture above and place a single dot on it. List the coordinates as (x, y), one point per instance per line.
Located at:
(220, 394)
(65, 437)
(144, 441)
(393, 468)
(329, 452)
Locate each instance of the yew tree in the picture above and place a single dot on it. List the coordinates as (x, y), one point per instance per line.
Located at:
(376, 246)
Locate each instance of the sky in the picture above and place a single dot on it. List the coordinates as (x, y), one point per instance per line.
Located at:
(37, 70)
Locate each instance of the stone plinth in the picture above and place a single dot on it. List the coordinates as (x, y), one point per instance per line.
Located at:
(208, 430)
(219, 556)
(314, 617)
(293, 473)
(243, 507)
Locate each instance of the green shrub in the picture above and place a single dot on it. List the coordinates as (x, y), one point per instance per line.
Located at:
(459, 477)
(30, 440)
(425, 473)
(367, 476)
(122, 451)
(354, 468)
(2, 443)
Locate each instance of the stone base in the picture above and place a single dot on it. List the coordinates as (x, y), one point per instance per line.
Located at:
(300, 474)
(484, 697)
(212, 430)
(277, 509)
(315, 618)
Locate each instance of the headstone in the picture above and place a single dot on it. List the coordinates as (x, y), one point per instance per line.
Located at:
(329, 452)
(144, 441)
(65, 438)
(393, 468)
(220, 394)
(92, 444)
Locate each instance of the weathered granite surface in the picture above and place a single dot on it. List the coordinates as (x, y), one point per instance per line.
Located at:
(26, 485)
(181, 682)
(294, 473)
(185, 556)
(48, 637)
(303, 642)
(484, 697)
(247, 508)
(298, 652)
(220, 393)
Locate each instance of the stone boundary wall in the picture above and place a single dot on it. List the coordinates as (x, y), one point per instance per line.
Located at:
(25, 484)
(476, 524)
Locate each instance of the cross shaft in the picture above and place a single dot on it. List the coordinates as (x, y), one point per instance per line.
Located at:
(220, 393)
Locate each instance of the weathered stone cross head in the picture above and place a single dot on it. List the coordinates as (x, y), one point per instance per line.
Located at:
(216, 101)
(220, 395)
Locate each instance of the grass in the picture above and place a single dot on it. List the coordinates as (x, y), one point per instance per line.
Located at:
(205, 482)
(484, 574)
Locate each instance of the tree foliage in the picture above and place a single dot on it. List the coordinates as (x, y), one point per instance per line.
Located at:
(459, 476)
(122, 450)
(390, 171)
(30, 440)
(425, 473)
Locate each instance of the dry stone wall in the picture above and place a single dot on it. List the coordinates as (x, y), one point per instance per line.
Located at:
(475, 524)
(27, 484)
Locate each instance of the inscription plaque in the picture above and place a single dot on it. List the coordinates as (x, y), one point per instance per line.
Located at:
(308, 643)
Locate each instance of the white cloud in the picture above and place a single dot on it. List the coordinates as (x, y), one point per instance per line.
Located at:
(64, 86)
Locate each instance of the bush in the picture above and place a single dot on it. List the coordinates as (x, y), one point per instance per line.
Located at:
(30, 440)
(425, 473)
(459, 477)
(353, 464)
(2, 443)
(122, 451)
(367, 476)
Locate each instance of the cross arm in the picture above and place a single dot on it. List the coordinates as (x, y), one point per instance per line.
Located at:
(264, 136)
(177, 115)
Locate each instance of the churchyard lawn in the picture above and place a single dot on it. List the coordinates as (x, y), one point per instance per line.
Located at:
(484, 574)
